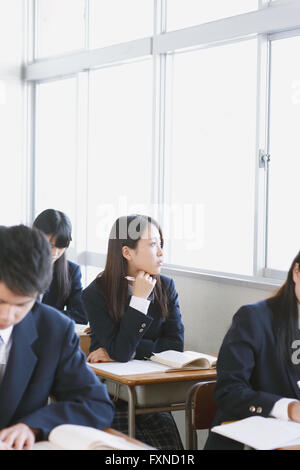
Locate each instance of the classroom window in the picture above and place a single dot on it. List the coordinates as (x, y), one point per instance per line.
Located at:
(116, 21)
(181, 14)
(56, 147)
(120, 147)
(12, 151)
(284, 167)
(60, 26)
(211, 157)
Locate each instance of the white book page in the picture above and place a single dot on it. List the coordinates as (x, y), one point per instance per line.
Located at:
(181, 358)
(80, 329)
(195, 355)
(134, 367)
(75, 437)
(261, 433)
(45, 445)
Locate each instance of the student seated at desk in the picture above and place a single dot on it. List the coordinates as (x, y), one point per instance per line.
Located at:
(65, 289)
(258, 372)
(134, 318)
(39, 351)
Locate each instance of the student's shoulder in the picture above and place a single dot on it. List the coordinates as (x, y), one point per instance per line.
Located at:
(93, 290)
(49, 318)
(73, 267)
(257, 312)
(167, 282)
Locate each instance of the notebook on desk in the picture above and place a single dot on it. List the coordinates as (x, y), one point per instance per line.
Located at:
(261, 433)
(134, 367)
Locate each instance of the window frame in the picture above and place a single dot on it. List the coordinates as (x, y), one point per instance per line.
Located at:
(272, 20)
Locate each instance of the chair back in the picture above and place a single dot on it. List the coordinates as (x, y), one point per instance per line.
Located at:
(200, 410)
(205, 407)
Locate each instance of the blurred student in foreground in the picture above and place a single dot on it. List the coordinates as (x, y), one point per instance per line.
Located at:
(39, 351)
(258, 372)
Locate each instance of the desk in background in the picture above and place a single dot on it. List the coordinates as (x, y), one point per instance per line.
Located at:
(152, 392)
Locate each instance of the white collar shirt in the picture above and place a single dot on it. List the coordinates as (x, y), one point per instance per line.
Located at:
(5, 346)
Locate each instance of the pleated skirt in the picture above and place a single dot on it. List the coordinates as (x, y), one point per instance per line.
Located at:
(158, 430)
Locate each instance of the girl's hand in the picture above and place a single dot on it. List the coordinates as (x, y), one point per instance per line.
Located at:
(143, 285)
(99, 355)
(294, 411)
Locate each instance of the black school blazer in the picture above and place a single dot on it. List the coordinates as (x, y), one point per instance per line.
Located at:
(137, 333)
(74, 306)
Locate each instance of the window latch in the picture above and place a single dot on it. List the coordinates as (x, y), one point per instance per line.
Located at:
(264, 159)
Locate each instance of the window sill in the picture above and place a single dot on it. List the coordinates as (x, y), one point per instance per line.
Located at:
(252, 282)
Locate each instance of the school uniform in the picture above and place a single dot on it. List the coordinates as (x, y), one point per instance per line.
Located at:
(72, 306)
(138, 335)
(251, 379)
(41, 358)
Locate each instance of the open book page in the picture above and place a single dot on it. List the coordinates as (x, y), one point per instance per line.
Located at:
(190, 360)
(75, 437)
(45, 445)
(81, 329)
(261, 433)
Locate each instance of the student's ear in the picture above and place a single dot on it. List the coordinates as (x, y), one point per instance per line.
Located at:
(126, 252)
(296, 273)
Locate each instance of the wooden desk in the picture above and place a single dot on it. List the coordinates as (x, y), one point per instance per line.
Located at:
(153, 392)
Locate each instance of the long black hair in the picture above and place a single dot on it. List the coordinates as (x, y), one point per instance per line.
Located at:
(126, 231)
(58, 226)
(284, 304)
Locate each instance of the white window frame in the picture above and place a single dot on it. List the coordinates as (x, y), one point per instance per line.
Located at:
(270, 21)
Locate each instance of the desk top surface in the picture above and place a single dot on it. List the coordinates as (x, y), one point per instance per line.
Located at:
(159, 377)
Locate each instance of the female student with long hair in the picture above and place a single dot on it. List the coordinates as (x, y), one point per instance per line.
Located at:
(258, 372)
(137, 317)
(65, 290)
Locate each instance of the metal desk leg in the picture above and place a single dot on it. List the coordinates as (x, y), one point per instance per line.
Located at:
(131, 411)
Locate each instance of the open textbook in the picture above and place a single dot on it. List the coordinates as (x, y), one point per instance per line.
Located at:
(187, 360)
(261, 433)
(75, 437)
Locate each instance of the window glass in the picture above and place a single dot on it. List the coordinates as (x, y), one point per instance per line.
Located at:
(181, 14)
(114, 21)
(60, 26)
(120, 147)
(12, 148)
(211, 157)
(56, 142)
(284, 223)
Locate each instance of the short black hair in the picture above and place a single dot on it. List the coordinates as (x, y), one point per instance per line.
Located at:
(57, 224)
(25, 260)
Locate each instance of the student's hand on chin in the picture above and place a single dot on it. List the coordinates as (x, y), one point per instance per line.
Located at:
(143, 285)
(17, 437)
(99, 355)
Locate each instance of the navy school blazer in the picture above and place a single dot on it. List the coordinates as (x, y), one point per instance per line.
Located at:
(250, 376)
(45, 359)
(137, 333)
(74, 306)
